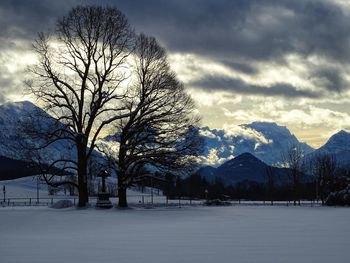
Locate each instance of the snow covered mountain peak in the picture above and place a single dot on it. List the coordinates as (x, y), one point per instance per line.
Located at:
(14, 118)
(269, 129)
(265, 140)
(17, 108)
(338, 145)
(338, 142)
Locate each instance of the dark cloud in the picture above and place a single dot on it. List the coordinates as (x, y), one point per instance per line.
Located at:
(235, 33)
(241, 87)
(241, 67)
(251, 30)
(20, 22)
(329, 78)
(254, 29)
(24, 19)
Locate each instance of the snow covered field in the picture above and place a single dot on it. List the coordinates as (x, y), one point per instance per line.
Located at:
(20, 190)
(194, 234)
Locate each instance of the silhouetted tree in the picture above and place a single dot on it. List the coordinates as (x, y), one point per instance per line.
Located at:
(324, 167)
(293, 160)
(270, 183)
(78, 79)
(160, 130)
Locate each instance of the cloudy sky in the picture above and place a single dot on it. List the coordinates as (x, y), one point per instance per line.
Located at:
(286, 61)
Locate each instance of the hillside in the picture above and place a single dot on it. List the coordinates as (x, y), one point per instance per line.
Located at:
(337, 145)
(18, 117)
(245, 167)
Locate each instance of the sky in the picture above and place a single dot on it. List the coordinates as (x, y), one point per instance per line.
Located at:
(285, 61)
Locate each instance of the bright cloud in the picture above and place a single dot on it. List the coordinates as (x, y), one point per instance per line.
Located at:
(282, 61)
(245, 132)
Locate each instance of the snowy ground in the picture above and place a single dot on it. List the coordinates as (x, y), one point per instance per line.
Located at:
(196, 234)
(25, 187)
(20, 191)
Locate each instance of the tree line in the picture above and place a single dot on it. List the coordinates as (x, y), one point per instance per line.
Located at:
(312, 178)
(315, 182)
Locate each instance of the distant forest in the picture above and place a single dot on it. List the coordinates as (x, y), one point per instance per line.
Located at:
(197, 187)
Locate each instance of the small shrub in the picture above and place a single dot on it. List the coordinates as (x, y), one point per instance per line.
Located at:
(216, 202)
(62, 204)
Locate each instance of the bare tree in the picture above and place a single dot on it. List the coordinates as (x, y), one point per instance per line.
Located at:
(293, 160)
(79, 79)
(324, 167)
(33, 142)
(160, 130)
(270, 183)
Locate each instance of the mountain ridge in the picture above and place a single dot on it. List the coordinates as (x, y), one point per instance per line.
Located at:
(338, 145)
(245, 167)
(266, 140)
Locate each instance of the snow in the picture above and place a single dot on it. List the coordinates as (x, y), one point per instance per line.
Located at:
(25, 187)
(22, 189)
(195, 234)
(265, 140)
(338, 145)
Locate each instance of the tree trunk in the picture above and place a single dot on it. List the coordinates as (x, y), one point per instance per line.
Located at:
(122, 198)
(122, 201)
(83, 192)
(295, 188)
(82, 177)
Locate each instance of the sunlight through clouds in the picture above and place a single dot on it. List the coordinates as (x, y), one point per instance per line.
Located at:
(281, 61)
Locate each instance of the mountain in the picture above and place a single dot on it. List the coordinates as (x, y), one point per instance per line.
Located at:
(16, 158)
(208, 172)
(338, 145)
(12, 169)
(265, 140)
(15, 117)
(245, 167)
